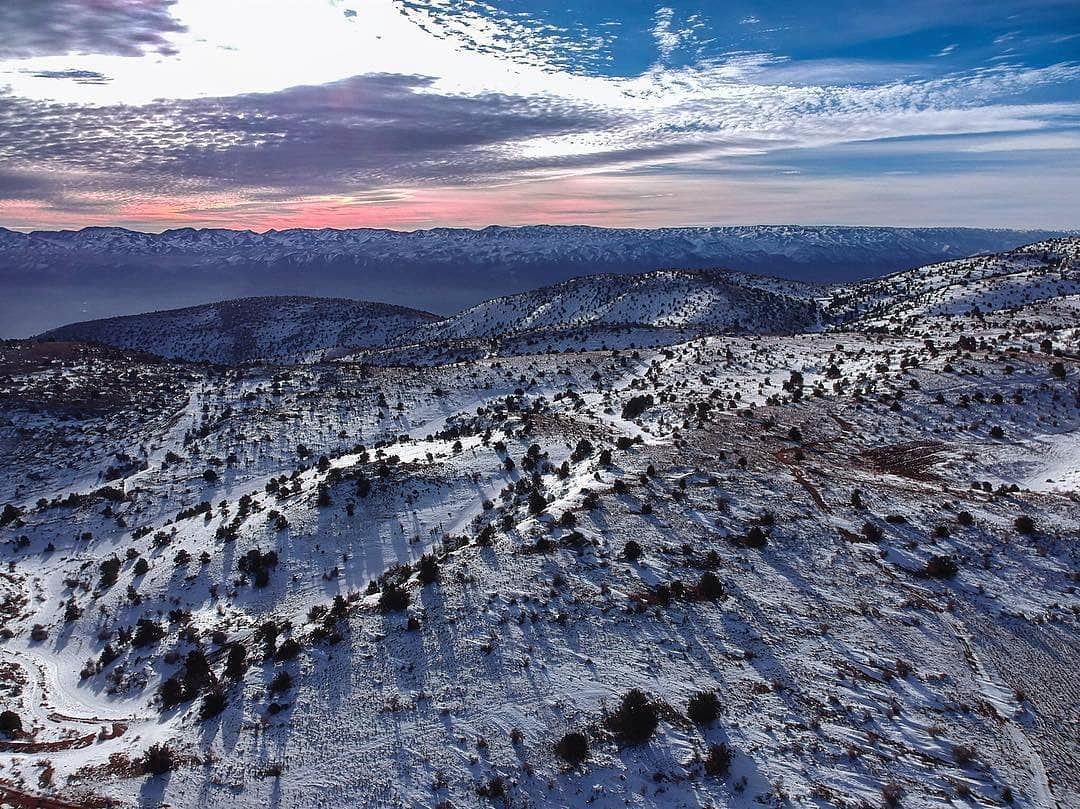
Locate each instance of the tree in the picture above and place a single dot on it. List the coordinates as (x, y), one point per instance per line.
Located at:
(10, 723)
(573, 748)
(635, 719)
(236, 662)
(703, 708)
(428, 569)
(537, 502)
(110, 569)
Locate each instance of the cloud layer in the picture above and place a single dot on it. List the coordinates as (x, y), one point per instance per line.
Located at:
(499, 109)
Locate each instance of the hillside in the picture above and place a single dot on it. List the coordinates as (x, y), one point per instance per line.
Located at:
(271, 329)
(64, 276)
(833, 565)
(1044, 271)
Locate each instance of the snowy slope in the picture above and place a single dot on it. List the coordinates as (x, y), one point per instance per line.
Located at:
(1043, 271)
(273, 329)
(671, 298)
(862, 541)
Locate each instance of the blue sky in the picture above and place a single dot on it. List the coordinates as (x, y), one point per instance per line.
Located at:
(421, 113)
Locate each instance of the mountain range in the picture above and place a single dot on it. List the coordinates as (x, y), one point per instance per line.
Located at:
(55, 277)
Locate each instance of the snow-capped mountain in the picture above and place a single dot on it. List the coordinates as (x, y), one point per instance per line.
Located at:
(273, 329)
(98, 272)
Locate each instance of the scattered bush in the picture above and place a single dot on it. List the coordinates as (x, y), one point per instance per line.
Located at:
(941, 567)
(158, 759)
(573, 748)
(10, 723)
(1024, 524)
(636, 718)
(632, 551)
(636, 406)
(703, 708)
(718, 761)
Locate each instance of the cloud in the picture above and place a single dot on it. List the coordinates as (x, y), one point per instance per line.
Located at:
(121, 27)
(78, 76)
(503, 102)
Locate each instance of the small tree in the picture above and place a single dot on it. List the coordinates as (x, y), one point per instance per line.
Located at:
(10, 723)
(158, 759)
(110, 570)
(703, 708)
(635, 719)
(428, 569)
(573, 748)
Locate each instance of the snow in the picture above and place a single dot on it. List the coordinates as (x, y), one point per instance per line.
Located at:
(843, 670)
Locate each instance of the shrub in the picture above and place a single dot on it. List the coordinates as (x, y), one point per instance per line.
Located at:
(158, 759)
(10, 723)
(393, 598)
(963, 755)
(1024, 524)
(965, 518)
(632, 551)
(703, 708)
(941, 567)
(282, 682)
(718, 761)
(110, 569)
(709, 586)
(141, 567)
(573, 748)
(635, 719)
(428, 569)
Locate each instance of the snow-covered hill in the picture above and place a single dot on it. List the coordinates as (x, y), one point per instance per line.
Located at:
(97, 272)
(271, 329)
(1043, 271)
(827, 568)
(709, 301)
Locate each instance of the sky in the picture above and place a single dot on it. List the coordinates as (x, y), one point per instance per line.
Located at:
(409, 114)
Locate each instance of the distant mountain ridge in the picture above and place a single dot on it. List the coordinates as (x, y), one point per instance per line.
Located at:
(52, 277)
